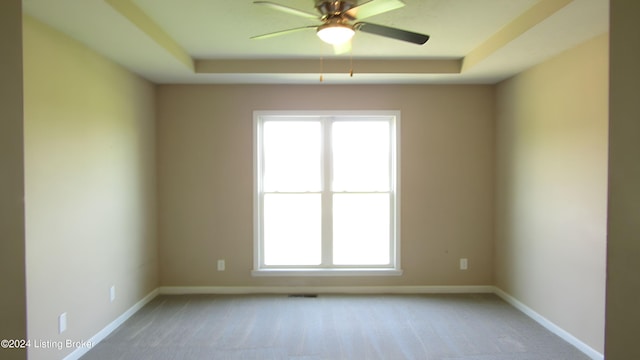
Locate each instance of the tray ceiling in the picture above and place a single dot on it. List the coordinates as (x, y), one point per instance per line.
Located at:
(208, 41)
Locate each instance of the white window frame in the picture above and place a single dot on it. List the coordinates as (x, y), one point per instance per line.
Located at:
(394, 268)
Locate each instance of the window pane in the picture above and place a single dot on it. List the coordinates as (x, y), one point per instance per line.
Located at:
(360, 156)
(292, 230)
(361, 232)
(292, 157)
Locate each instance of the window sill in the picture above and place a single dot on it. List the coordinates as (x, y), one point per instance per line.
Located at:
(327, 272)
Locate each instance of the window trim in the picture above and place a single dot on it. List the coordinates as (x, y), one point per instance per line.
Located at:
(394, 269)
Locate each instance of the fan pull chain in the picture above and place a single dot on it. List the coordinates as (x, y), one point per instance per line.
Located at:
(351, 63)
(321, 70)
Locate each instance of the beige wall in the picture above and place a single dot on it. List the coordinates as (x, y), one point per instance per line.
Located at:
(623, 249)
(12, 239)
(90, 188)
(205, 179)
(551, 189)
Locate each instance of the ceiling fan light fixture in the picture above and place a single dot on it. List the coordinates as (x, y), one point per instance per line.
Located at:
(335, 33)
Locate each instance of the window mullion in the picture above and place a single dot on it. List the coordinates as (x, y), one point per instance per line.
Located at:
(327, 198)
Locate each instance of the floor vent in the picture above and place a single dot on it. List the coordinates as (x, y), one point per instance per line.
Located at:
(303, 295)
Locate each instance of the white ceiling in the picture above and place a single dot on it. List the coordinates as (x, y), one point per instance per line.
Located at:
(208, 41)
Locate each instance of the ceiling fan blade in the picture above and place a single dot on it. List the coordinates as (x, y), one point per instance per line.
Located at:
(287, 9)
(373, 7)
(342, 48)
(282, 32)
(392, 33)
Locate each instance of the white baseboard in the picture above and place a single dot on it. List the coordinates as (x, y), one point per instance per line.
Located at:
(586, 349)
(102, 334)
(237, 290)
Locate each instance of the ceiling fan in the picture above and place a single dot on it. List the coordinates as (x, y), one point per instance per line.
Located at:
(340, 21)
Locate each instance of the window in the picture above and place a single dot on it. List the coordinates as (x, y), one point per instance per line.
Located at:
(326, 193)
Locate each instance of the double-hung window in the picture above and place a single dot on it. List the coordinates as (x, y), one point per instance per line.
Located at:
(326, 193)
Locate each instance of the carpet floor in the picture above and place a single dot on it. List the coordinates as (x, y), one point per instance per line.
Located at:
(439, 327)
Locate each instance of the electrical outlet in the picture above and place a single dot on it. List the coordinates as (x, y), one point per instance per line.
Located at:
(464, 264)
(62, 323)
(112, 293)
(221, 265)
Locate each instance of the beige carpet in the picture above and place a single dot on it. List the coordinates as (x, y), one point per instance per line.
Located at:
(465, 326)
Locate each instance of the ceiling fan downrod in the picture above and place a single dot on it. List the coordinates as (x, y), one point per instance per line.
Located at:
(334, 8)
